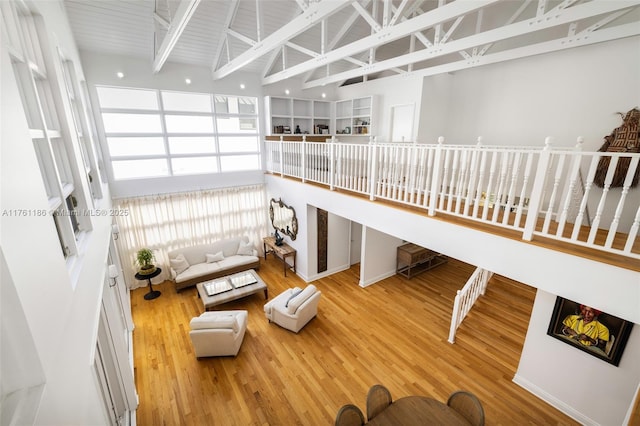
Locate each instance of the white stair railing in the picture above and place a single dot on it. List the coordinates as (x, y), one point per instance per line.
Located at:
(466, 297)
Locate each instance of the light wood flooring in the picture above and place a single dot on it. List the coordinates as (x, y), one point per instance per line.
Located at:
(393, 332)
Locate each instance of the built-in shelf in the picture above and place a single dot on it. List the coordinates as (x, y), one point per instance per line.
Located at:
(353, 116)
(315, 117)
(298, 116)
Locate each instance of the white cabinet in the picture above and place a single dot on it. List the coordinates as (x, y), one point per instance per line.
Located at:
(353, 116)
(298, 116)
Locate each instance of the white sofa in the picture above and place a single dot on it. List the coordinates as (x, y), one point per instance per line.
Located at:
(293, 308)
(218, 333)
(199, 263)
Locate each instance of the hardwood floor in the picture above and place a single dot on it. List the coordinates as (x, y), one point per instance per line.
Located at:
(393, 332)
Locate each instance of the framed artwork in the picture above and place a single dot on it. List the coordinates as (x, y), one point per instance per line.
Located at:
(590, 330)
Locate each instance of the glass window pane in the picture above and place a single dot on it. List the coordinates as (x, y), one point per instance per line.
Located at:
(247, 105)
(180, 101)
(238, 144)
(135, 146)
(194, 165)
(224, 105)
(192, 145)
(128, 169)
(236, 125)
(112, 97)
(189, 124)
(131, 123)
(230, 163)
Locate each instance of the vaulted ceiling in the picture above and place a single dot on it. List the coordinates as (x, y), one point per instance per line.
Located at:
(338, 41)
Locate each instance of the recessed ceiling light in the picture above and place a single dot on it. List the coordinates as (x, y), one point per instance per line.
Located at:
(187, 80)
(287, 91)
(120, 74)
(324, 95)
(242, 86)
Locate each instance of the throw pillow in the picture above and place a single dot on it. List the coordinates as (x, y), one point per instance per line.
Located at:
(179, 264)
(214, 257)
(296, 291)
(297, 301)
(205, 322)
(245, 249)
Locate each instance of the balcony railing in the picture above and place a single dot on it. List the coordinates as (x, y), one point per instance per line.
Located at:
(569, 195)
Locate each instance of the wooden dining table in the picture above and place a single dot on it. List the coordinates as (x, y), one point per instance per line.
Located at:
(418, 411)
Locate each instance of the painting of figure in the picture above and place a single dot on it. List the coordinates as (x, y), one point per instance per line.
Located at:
(589, 329)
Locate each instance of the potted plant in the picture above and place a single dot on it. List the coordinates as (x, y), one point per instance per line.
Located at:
(144, 259)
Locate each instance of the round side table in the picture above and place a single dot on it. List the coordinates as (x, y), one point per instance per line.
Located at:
(152, 294)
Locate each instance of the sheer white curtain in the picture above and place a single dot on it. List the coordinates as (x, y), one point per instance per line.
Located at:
(171, 221)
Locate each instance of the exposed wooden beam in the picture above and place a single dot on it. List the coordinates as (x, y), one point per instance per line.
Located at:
(579, 12)
(315, 13)
(185, 11)
(387, 35)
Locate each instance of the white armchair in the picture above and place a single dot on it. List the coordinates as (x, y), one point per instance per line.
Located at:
(218, 333)
(293, 308)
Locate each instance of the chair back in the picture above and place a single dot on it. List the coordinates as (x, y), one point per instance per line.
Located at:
(349, 415)
(378, 398)
(468, 406)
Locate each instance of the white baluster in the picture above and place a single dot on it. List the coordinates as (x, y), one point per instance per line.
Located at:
(573, 177)
(625, 190)
(537, 191)
(435, 179)
(633, 232)
(585, 197)
(605, 191)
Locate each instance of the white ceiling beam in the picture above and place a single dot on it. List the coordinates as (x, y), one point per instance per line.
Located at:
(258, 21)
(510, 21)
(375, 26)
(398, 12)
(185, 11)
(315, 13)
(301, 49)
(231, 13)
(243, 38)
(579, 12)
(603, 35)
(386, 13)
(446, 37)
(160, 20)
(426, 20)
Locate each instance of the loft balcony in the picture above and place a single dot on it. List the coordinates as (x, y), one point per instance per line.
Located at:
(562, 220)
(570, 196)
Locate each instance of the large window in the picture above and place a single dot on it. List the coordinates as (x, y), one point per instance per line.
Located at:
(153, 133)
(55, 148)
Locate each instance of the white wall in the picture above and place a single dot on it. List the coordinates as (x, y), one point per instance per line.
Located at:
(586, 388)
(60, 310)
(387, 92)
(379, 261)
(566, 94)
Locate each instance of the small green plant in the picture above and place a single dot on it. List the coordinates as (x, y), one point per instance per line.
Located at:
(145, 258)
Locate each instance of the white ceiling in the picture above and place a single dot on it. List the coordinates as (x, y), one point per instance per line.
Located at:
(338, 41)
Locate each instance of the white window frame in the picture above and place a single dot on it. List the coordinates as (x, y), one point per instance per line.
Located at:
(168, 156)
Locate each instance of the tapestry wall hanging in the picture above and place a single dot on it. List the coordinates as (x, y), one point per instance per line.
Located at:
(625, 138)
